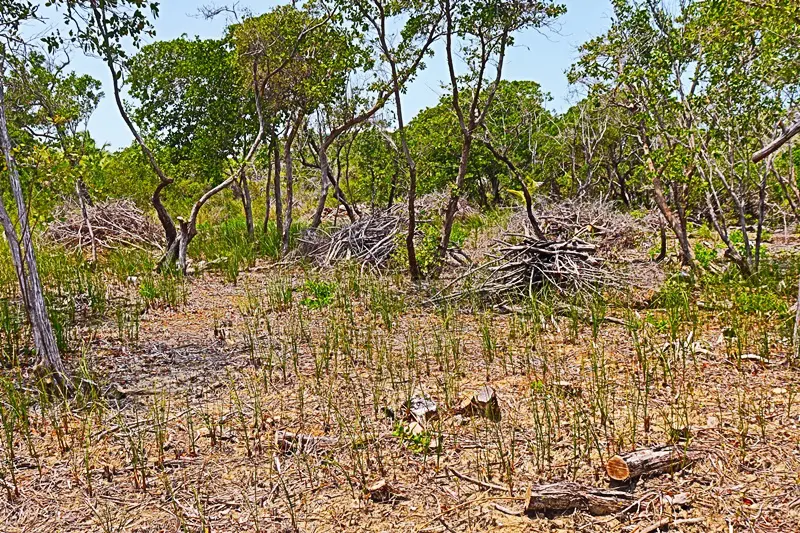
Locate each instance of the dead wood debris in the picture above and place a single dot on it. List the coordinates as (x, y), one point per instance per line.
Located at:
(566, 497)
(289, 442)
(598, 221)
(483, 403)
(371, 240)
(114, 223)
(518, 269)
(650, 461)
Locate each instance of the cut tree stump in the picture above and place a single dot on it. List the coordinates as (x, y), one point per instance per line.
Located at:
(289, 442)
(482, 403)
(567, 497)
(421, 409)
(650, 461)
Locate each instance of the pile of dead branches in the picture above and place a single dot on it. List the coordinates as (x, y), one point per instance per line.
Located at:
(596, 221)
(113, 223)
(370, 240)
(521, 268)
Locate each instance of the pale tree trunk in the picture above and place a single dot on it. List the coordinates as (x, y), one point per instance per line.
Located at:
(267, 197)
(24, 258)
(278, 196)
(247, 205)
(288, 164)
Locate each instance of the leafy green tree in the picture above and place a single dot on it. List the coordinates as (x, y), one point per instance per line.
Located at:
(484, 29)
(647, 63)
(298, 62)
(192, 99)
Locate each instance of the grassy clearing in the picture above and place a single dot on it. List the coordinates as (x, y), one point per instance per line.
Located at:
(210, 372)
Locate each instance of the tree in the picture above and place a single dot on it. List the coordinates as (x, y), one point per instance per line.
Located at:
(485, 29)
(300, 61)
(403, 57)
(23, 254)
(100, 28)
(647, 64)
(51, 109)
(193, 101)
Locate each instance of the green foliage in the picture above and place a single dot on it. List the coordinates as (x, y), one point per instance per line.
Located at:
(192, 100)
(427, 244)
(163, 290)
(418, 442)
(301, 62)
(705, 253)
(319, 293)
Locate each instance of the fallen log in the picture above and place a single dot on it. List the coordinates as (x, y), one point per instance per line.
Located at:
(567, 497)
(649, 462)
(289, 442)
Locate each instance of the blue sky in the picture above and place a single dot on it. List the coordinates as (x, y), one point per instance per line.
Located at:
(543, 57)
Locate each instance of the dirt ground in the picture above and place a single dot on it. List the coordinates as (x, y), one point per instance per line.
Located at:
(189, 445)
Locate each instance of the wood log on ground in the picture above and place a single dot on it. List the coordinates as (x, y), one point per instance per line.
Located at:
(289, 442)
(650, 461)
(567, 497)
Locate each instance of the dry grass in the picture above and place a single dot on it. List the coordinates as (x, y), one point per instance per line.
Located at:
(190, 447)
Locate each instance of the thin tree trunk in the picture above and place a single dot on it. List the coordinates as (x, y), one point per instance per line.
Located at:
(662, 233)
(23, 254)
(79, 190)
(687, 257)
(170, 231)
(287, 230)
(796, 332)
(455, 196)
(247, 204)
(526, 193)
(276, 153)
(762, 210)
(267, 197)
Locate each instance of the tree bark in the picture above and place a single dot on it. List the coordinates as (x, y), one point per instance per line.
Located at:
(687, 257)
(276, 154)
(23, 255)
(776, 144)
(247, 205)
(170, 232)
(80, 191)
(475, 119)
(287, 152)
(267, 197)
(566, 497)
(650, 461)
(526, 193)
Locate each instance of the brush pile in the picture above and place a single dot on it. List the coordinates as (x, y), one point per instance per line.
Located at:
(371, 240)
(598, 221)
(521, 268)
(114, 223)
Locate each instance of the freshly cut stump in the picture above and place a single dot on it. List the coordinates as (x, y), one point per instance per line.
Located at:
(567, 497)
(650, 461)
(483, 403)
